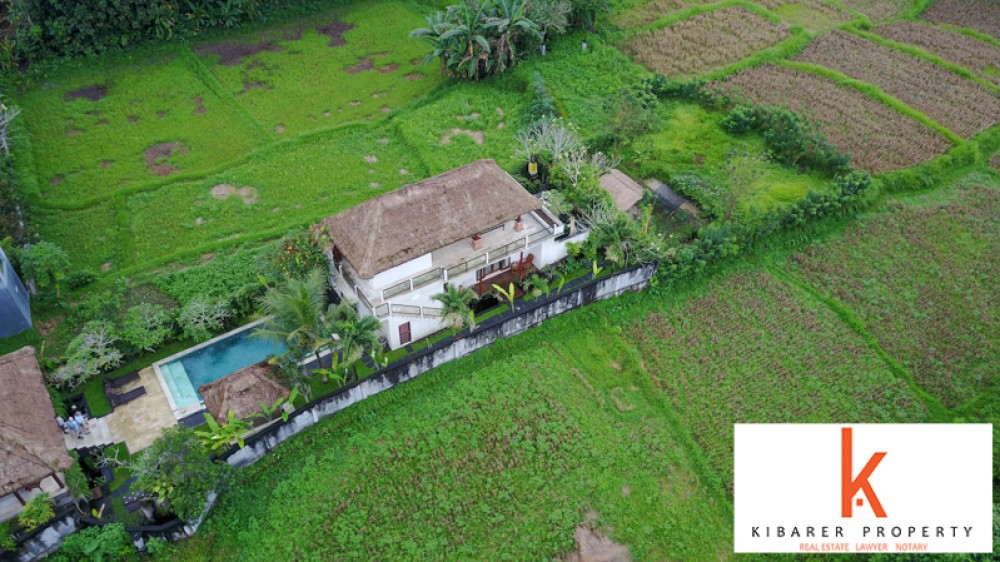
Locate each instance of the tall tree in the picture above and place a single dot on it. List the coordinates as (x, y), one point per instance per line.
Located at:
(297, 316)
(455, 307)
(46, 263)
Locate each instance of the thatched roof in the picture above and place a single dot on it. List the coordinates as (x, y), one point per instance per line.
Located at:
(242, 392)
(625, 192)
(31, 444)
(405, 224)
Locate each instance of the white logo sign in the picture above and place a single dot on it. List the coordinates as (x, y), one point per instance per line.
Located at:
(863, 487)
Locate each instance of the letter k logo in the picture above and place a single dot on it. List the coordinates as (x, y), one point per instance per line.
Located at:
(849, 485)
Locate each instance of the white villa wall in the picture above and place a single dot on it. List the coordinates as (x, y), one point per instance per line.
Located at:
(401, 272)
(419, 328)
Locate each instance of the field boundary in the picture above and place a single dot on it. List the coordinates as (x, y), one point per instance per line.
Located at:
(847, 315)
(915, 51)
(697, 10)
(878, 94)
(966, 31)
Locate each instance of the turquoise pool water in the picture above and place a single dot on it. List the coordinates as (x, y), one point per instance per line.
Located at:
(185, 374)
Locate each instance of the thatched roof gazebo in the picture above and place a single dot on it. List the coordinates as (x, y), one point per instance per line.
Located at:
(242, 392)
(32, 447)
(625, 192)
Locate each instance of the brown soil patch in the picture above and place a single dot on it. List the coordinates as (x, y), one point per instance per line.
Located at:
(404, 172)
(473, 115)
(360, 66)
(106, 266)
(416, 62)
(327, 113)
(501, 125)
(199, 221)
(247, 86)
(371, 158)
(374, 185)
(500, 111)
(279, 128)
(102, 123)
(355, 103)
(133, 119)
(371, 170)
(388, 68)
(155, 153)
(476, 136)
(232, 54)
(107, 163)
(413, 76)
(292, 35)
(57, 180)
(224, 191)
(47, 327)
(383, 140)
(335, 31)
(94, 92)
(161, 114)
(199, 105)
(386, 109)
(592, 546)
(73, 132)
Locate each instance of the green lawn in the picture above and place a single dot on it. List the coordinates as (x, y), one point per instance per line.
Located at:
(692, 142)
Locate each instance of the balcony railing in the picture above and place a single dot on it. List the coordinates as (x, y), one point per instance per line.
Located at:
(386, 309)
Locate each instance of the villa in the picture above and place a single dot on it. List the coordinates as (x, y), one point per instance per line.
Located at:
(32, 450)
(473, 226)
(15, 313)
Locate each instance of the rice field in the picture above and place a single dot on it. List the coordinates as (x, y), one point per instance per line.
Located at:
(877, 137)
(704, 42)
(351, 65)
(813, 15)
(878, 10)
(980, 15)
(750, 348)
(646, 13)
(922, 279)
(97, 130)
(949, 99)
(977, 56)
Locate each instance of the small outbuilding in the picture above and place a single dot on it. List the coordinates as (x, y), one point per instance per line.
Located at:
(625, 192)
(32, 448)
(243, 392)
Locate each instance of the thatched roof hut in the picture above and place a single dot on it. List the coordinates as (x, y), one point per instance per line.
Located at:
(407, 223)
(625, 191)
(242, 392)
(31, 444)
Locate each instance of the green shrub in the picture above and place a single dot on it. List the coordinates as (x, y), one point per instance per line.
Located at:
(542, 106)
(36, 512)
(7, 542)
(235, 278)
(12, 210)
(147, 326)
(76, 480)
(301, 251)
(201, 318)
(80, 278)
(110, 543)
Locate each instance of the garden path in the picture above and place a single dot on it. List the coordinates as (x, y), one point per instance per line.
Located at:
(139, 422)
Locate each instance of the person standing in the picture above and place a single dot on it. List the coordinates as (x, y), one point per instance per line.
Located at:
(82, 421)
(75, 427)
(62, 424)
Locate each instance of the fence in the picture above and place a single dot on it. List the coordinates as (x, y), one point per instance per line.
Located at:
(528, 315)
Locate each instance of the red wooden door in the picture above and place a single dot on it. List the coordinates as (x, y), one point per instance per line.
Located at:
(404, 333)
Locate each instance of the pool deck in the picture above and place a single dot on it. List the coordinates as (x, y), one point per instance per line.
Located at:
(142, 420)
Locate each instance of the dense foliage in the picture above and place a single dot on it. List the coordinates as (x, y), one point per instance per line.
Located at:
(179, 471)
(108, 543)
(65, 27)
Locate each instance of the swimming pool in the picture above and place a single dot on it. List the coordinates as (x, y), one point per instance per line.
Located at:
(183, 373)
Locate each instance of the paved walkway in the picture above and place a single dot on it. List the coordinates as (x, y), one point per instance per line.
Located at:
(142, 420)
(670, 199)
(99, 436)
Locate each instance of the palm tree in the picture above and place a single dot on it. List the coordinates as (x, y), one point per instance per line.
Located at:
(455, 306)
(356, 335)
(508, 19)
(441, 48)
(298, 317)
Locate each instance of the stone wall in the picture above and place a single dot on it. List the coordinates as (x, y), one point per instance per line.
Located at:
(528, 314)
